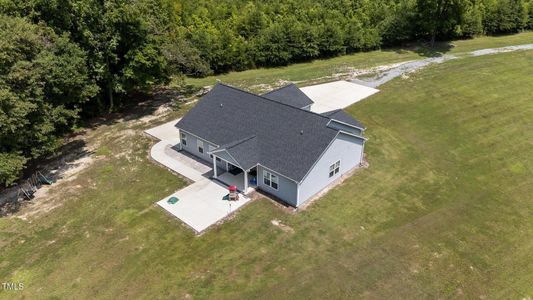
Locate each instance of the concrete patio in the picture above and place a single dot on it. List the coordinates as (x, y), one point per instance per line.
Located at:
(202, 203)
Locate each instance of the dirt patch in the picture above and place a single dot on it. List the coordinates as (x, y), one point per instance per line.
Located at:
(46, 197)
(79, 153)
(161, 110)
(280, 225)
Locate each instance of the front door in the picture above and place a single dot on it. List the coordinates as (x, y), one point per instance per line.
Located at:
(231, 167)
(234, 170)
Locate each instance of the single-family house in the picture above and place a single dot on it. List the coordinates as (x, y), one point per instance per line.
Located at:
(273, 142)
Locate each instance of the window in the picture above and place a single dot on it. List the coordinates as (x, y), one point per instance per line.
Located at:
(211, 148)
(200, 146)
(183, 139)
(270, 179)
(334, 168)
(218, 159)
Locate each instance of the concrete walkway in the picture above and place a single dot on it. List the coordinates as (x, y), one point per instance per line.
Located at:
(202, 203)
(163, 153)
(166, 132)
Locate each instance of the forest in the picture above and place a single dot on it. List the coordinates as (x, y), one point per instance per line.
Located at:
(64, 61)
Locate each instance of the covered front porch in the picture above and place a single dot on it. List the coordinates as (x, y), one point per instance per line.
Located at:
(244, 180)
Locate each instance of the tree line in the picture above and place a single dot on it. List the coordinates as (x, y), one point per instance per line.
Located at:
(65, 60)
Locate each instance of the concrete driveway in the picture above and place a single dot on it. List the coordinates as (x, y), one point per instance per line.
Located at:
(200, 204)
(338, 94)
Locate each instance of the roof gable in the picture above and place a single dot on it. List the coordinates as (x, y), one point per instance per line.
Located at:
(290, 95)
(283, 138)
(343, 117)
(244, 151)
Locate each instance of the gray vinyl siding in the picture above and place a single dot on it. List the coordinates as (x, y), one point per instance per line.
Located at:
(287, 189)
(347, 149)
(344, 127)
(192, 148)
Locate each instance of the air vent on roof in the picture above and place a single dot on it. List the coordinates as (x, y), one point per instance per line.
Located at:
(221, 105)
(301, 132)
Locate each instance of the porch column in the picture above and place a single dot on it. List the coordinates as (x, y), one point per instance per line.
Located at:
(245, 181)
(214, 166)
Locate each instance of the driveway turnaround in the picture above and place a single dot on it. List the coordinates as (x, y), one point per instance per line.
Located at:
(337, 94)
(202, 203)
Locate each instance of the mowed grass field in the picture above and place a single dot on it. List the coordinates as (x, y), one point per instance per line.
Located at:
(443, 211)
(263, 79)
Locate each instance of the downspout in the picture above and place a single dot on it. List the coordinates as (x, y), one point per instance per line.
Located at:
(297, 195)
(362, 154)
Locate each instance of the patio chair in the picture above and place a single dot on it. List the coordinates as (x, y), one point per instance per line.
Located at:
(44, 180)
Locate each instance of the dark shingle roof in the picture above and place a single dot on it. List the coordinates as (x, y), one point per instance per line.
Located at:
(291, 95)
(287, 140)
(341, 115)
(245, 151)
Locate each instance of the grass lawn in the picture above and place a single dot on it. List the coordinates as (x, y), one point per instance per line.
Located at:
(260, 80)
(443, 211)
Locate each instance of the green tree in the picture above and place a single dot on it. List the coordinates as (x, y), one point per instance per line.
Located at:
(123, 39)
(43, 83)
(506, 16)
(439, 17)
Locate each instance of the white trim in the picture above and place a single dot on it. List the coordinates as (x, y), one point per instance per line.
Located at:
(238, 165)
(245, 181)
(198, 142)
(277, 173)
(333, 140)
(209, 151)
(183, 136)
(218, 150)
(214, 167)
(335, 167)
(270, 179)
(198, 137)
(320, 157)
(227, 162)
(354, 135)
(298, 194)
(362, 154)
(350, 125)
